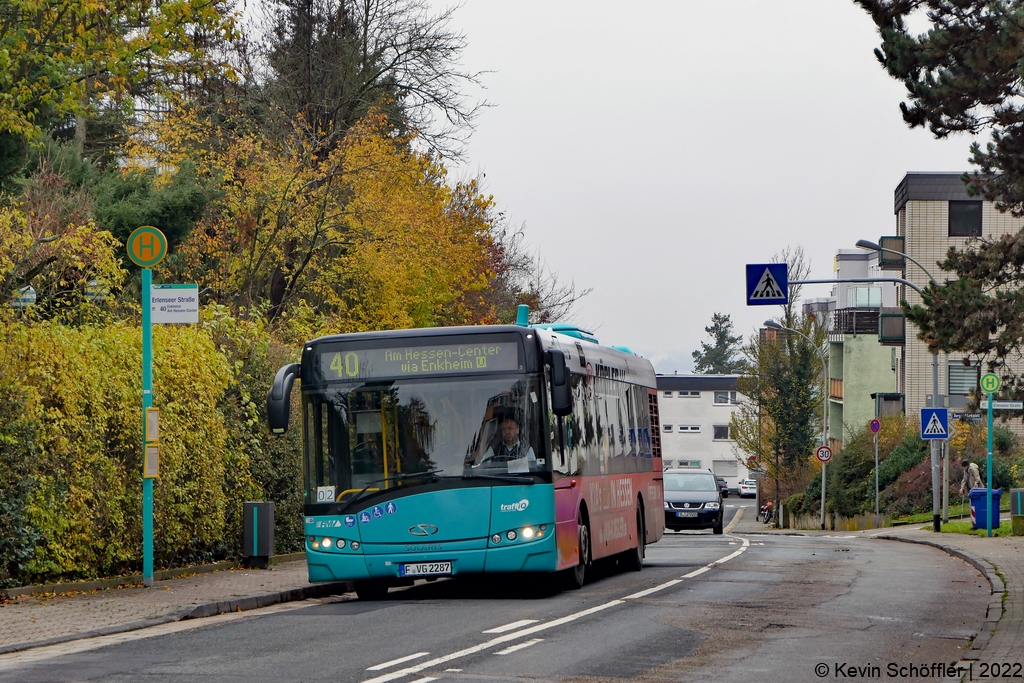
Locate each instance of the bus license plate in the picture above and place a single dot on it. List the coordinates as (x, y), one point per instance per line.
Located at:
(687, 514)
(426, 569)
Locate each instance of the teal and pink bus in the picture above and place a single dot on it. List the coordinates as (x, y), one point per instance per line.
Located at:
(473, 450)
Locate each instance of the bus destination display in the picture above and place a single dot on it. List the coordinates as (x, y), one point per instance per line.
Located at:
(410, 361)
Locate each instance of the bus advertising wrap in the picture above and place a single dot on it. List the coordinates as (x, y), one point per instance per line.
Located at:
(416, 361)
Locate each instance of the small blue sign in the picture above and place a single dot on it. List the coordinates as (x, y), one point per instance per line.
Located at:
(378, 511)
(350, 521)
(364, 517)
(391, 508)
(934, 423)
(767, 284)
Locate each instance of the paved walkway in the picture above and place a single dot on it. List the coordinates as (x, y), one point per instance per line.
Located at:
(30, 621)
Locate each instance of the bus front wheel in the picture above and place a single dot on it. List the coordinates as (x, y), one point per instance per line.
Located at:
(578, 574)
(371, 590)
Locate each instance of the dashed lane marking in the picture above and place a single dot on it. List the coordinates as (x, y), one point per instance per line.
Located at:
(396, 662)
(508, 637)
(519, 646)
(511, 627)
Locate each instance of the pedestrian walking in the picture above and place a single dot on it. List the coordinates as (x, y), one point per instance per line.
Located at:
(972, 477)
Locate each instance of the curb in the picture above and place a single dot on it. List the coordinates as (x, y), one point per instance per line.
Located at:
(995, 606)
(136, 579)
(208, 609)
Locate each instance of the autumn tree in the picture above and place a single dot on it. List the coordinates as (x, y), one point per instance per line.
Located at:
(67, 62)
(331, 61)
(720, 356)
(962, 76)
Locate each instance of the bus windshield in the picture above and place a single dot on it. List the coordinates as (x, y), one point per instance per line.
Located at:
(376, 434)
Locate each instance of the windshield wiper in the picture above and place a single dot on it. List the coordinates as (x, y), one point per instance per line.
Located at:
(397, 477)
(516, 478)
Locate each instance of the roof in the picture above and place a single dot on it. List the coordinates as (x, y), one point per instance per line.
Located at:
(697, 382)
(931, 187)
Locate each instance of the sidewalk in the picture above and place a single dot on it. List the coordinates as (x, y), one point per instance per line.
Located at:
(1001, 559)
(33, 621)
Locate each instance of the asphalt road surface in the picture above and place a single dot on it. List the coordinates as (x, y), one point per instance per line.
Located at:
(752, 607)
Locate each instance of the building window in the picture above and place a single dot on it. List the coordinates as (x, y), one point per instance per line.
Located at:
(864, 297)
(666, 428)
(724, 398)
(668, 394)
(689, 428)
(963, 379)
(965, 219)
(689, 393)
(721, 432)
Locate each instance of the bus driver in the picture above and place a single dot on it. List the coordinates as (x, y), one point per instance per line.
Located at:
(518, 456)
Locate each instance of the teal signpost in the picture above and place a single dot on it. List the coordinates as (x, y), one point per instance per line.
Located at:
(147, 246)
(990, 384)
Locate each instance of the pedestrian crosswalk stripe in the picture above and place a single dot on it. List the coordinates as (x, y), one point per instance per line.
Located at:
(767, 288)
(934, 426)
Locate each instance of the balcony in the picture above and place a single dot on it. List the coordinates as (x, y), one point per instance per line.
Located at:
(855, 321)
(835, 388)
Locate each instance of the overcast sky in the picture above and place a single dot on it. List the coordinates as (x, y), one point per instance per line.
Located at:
(651, 149)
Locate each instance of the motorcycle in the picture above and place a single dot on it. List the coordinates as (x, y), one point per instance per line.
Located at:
(767, 512)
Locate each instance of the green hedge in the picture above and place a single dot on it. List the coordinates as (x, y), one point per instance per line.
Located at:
(70, 485)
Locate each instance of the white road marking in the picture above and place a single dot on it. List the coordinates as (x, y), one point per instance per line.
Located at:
(453, 670)
(657, 588)
(394, 662)
(16, 659)
(424, 680)
(511, 627)
(520, 646)
(401, 673)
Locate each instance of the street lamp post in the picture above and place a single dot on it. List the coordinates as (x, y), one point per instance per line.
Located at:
(824, 407)
(937, 400)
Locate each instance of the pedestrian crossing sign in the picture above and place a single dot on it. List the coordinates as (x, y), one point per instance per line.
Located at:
(934, 423)
(767, 283)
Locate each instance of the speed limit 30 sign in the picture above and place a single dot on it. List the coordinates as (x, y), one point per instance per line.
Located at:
(824, 453)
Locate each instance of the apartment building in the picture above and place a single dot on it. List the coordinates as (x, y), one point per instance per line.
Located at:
(859, 367)
(933, 212)
(695, 411)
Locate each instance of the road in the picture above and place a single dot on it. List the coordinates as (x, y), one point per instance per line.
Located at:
(705, 608)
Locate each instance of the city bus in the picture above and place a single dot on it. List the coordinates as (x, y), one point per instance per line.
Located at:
(471, 450)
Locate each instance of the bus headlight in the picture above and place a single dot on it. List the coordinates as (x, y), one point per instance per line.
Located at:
(355, 545)
(511, 535)
(496, 538)
(325, 542)
(527, 532)
(340, 543)
(316, 545)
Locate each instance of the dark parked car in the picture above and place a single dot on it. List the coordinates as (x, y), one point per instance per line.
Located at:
(693, 500)
(723, 486)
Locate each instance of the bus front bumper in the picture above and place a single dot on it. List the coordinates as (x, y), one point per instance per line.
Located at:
(533, 556)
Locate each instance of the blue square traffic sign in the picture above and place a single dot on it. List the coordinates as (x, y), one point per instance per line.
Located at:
(934, 423)
(767, 284)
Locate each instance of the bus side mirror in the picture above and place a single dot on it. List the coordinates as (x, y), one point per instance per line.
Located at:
(561, 390)
(279, 401)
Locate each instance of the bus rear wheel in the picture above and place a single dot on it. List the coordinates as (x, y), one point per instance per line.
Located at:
(578, 574)
(371, 590)
(635, 557)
